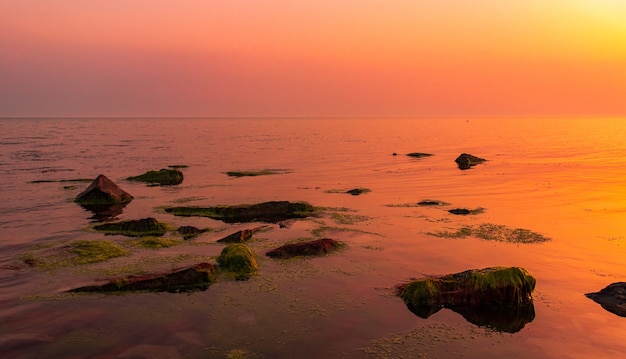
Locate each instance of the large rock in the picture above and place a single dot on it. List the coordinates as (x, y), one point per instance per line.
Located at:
(103, 191)
(498, 297)
(163, 177)
(197, 277)
(272, 212)
(612, 298)
(310, 248)
(466, 161)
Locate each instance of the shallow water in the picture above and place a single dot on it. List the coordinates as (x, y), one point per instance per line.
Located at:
(563, 178)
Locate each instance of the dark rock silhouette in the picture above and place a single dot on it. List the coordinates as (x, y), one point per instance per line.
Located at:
(195, 278)
(103, 191)
(499, 297)
(611, 298)
(460, 211)
(358, 191)
(311, 248)
(466, 161)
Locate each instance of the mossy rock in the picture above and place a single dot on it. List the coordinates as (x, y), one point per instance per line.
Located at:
(466, 161)
(238, 259)
(497, 285)
(272, 212)
(134, 228)
(163, 177)
(499, 298)
(309, 248)
(358, 191)
(155, 242)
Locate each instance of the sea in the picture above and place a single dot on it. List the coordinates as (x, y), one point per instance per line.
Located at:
(561, 179)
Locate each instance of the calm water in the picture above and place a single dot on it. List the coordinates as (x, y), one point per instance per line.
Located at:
(563, 178)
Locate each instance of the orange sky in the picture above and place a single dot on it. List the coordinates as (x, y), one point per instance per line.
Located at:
(313, 58)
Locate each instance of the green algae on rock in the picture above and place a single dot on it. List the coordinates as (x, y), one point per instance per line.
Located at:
(76, 253)
(496, 285)
(195, 278)
(134, 228)
(155, 242)
(498, 297)
(271, 212)
(238, 259)
(163, 177)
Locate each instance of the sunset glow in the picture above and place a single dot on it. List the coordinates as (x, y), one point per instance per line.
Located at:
(313, 58)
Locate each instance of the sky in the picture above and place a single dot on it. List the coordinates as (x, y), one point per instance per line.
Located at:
(251, 58)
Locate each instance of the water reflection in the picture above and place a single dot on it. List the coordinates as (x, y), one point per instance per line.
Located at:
(104, 212)
(503, 318)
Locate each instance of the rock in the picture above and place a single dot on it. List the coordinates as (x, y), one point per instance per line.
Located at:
(240, 236)
(163, 177)
(311, 248)
(460, 211)
(419, 154)
(238, 259)
(358, 191)
(271, 212)
(612, 298)
(197, 277)
(189, 231)
(491, 295)
(101, 192)
(134, 228)
(465, 161)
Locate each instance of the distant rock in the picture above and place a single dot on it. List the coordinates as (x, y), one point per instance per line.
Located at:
(195, 278)
(358, 191)
(103, 191)
(460, 211)
(429, 202)
(465, 161)
(163, 177)
(419, 154)
(311, 248)
(612, 298)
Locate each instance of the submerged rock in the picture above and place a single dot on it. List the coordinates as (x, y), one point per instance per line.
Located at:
(271, 212)
(101, 192)
(134, 228)
(498, 296)
(612, 298)
(311, 248)
(197, 277)
(238, 259)
(465, 161)
(163, 177)
(460, 211)
(189, 231)
(240, 236)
